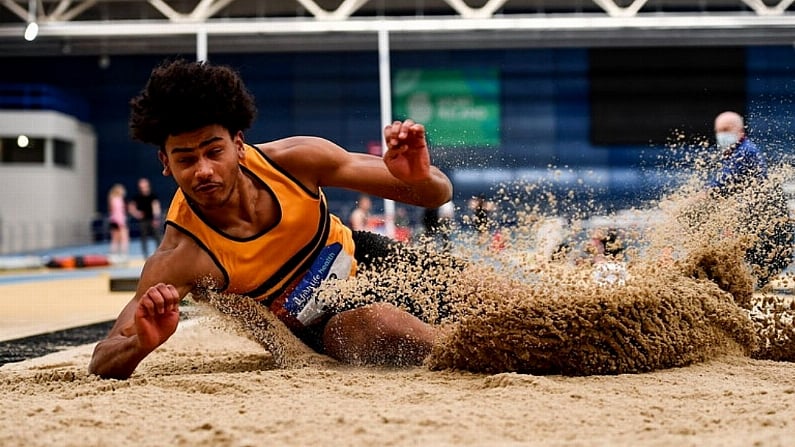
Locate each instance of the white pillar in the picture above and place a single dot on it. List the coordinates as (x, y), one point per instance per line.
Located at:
(201, 44)
(385, 78)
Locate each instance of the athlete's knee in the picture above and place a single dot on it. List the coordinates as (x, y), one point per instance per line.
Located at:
(371, 322)
(378, 333)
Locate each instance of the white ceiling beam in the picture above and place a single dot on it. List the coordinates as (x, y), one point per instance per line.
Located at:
(208, 8)
(19, 11)
(167, 11)
(217, 6)
(203, 10)
(613, 10)
(762, 9)
(76, 11)
(200, 11)
(316, 11)
(469, 12)
(60, 8)
(582, 22)
(346, 9)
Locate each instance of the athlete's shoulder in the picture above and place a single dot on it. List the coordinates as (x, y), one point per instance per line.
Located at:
(291, 145)
(303, 156)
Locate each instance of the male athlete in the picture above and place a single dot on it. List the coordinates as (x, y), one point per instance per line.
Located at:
(253, 220)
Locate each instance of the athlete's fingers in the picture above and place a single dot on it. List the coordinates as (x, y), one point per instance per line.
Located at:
(172, 297)
(405, 127)
(146, 307)
(159, 299)
(391, 132)
(417, 130)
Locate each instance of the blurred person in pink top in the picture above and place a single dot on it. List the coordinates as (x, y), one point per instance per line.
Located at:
(117, 223)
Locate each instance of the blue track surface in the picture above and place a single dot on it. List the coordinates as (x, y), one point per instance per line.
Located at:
(46, 274)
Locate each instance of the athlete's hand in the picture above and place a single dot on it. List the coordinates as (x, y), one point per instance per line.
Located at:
(407, 156)
(157, 315)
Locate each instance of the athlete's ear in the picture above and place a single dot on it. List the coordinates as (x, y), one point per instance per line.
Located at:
(161, 154)
(240, 145)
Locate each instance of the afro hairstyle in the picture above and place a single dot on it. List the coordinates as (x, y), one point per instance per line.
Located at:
(182, 96)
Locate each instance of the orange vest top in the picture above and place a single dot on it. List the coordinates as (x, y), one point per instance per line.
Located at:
(264, 265)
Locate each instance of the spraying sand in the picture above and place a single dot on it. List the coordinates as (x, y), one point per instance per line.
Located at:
(503, 313)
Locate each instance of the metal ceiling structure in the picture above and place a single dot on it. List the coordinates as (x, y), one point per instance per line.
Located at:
(108, 27)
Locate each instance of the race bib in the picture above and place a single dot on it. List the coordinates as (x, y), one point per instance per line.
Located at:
(302, 303)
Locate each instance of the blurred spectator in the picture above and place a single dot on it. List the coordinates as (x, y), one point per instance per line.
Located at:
(481, 209)
(743, 179)
(743, 163)
(438, 222)
(604, 244)
(447, 215)
(360, 216)
(145, 207)
(430, 221)
(117, 223)
(402, 225)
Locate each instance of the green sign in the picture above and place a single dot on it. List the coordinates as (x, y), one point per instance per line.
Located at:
(459, 108)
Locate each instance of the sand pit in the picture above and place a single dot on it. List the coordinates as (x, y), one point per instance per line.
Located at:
(211, 388)
(214, 384)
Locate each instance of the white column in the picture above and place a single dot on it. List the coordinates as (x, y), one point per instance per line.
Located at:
(385, 78)
(201, 44)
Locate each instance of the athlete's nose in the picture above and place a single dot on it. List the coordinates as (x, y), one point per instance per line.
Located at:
(204, 168)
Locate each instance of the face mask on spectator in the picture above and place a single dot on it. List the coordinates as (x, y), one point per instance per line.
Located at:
(726, 139)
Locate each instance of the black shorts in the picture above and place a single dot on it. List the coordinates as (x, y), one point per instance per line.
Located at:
(370, 251)
(113, 226)
(376, 252)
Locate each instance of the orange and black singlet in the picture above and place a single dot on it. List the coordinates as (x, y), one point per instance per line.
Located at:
(274, 262)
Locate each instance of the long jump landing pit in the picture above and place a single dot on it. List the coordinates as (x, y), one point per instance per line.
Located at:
(207, 387)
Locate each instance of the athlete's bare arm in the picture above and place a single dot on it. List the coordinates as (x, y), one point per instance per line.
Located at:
(404, 174)
(151, 317)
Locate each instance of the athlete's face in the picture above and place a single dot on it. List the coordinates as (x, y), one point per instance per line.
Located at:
(204, 163)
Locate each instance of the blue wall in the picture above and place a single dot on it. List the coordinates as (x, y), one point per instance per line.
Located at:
(771, 98)
(544, 102)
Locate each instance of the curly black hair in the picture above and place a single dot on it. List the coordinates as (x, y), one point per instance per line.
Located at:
(183, 96)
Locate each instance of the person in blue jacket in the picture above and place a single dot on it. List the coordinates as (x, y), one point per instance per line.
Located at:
(743, 163)
(744, 171)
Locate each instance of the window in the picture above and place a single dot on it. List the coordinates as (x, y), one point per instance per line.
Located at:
(31, 150)
(64, 153)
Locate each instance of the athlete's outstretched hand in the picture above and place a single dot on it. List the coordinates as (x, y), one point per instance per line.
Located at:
(407, 156)
(157, 315)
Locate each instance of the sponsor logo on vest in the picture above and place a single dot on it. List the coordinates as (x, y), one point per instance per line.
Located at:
(331, 263)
